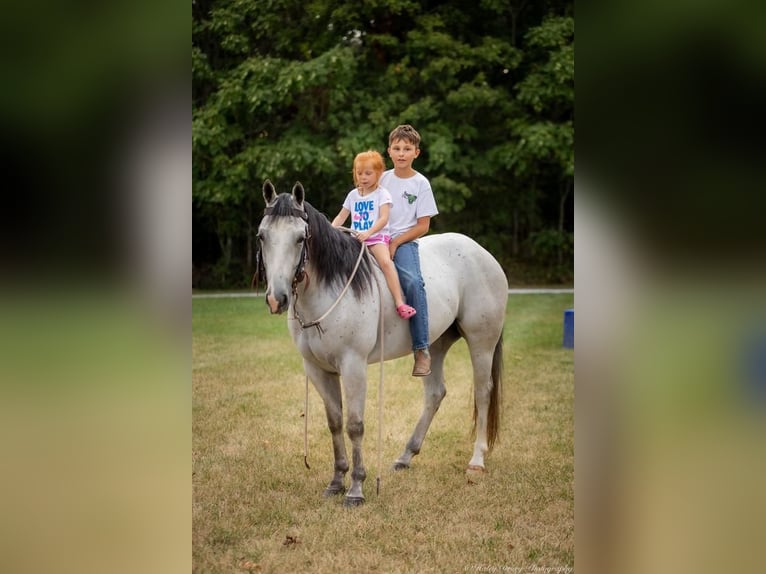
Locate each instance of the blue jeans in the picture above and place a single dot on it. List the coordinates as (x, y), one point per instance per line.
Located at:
(407, 261)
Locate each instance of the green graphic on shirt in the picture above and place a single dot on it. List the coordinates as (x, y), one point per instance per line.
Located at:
(409, 197)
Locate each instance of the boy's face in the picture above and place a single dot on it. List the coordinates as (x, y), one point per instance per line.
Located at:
(403, 153)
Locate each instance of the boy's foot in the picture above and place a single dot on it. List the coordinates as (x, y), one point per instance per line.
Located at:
(405, 311)
(422, 366)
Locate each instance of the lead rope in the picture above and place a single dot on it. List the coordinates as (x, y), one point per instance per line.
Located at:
(380, 393)
(306, 426)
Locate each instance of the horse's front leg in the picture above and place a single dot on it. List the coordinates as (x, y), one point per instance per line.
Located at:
(355, 384)
(328, 387)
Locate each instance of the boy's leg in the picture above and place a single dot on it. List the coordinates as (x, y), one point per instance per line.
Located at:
(407, 261)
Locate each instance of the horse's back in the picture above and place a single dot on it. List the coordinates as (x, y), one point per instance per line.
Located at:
(465, 286)
(463, 280)
(456, 258)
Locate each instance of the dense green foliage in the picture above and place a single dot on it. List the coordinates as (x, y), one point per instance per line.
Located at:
(291, 90)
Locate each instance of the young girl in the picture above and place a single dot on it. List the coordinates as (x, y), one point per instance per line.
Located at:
(369, 204)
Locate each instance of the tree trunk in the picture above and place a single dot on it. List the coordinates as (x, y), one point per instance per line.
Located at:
(249, 254)
(562, 206)
(226, 244)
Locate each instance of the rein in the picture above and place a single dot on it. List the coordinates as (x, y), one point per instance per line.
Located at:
(296, 280)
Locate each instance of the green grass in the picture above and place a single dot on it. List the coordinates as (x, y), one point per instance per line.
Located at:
(256, 508)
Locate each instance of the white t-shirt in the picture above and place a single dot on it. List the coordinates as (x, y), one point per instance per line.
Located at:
(412, 198)
(365, 210)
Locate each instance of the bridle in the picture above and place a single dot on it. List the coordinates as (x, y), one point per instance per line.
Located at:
(300, 269)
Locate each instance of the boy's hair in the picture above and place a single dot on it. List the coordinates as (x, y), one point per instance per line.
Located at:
(405, 132)
(372, 157)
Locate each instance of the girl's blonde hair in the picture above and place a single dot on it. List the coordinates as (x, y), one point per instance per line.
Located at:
(374, 158)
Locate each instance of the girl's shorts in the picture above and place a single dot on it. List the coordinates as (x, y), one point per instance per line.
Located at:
(378, 238)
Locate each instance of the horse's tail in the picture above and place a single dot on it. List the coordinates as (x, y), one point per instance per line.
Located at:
(495, 396)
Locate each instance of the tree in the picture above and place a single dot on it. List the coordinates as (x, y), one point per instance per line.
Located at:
(544, 152)
(291, 90)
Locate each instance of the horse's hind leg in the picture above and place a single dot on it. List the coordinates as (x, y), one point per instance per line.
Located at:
(481, 395)
(487, 379)
(328, 387)
(433, 393)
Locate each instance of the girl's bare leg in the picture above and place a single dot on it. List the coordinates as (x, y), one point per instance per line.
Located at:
(383, 257)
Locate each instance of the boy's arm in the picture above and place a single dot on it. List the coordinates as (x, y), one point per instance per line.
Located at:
(418, 230)
(340, 219)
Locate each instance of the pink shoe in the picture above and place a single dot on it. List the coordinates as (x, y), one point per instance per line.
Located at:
(405, 311)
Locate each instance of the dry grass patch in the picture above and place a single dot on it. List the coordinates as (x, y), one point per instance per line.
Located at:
(257, 509)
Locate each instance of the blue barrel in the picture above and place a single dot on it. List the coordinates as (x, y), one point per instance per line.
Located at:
(569, 329)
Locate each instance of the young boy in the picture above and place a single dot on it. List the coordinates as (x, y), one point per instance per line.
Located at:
(410, 218)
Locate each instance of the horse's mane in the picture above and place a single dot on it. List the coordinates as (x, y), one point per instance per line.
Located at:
(331, 252)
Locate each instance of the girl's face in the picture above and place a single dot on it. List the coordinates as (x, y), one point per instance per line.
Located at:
(366, 176)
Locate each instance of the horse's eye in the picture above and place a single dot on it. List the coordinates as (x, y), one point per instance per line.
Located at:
(301, 240)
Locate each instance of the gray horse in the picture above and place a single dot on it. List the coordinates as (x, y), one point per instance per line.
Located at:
(312, 268)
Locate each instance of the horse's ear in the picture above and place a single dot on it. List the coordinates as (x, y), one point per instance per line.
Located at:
(269, 193)
(299, 194)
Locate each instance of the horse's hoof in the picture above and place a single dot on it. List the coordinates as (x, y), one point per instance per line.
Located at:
(331, 491)
(474, 474)
(352, 501)
(400, 466)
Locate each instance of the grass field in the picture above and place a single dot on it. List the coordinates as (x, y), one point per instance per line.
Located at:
(256, 508)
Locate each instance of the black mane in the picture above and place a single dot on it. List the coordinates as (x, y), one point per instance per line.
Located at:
(332, 253)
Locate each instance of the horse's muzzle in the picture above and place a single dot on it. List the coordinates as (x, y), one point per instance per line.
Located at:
(276, 304)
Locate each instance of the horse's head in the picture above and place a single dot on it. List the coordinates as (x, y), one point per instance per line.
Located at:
(282, 237)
